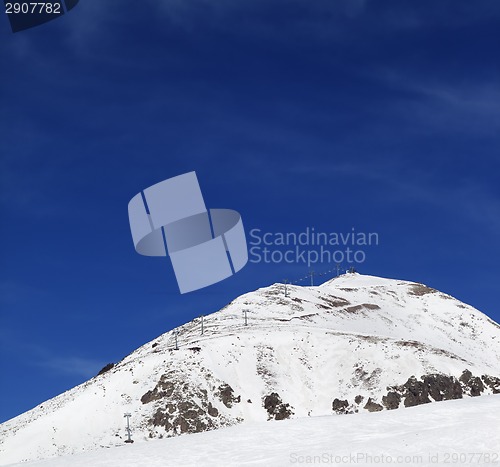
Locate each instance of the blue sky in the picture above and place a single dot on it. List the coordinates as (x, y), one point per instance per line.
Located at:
(382, 116)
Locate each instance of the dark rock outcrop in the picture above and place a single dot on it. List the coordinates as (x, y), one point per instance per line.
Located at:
(420, 289)
(340, 406)
(415, 393)
(392, 400)
(276, 408)
(473, 385)
(183, 417)
(164, 388)
(372, 406)
(493, 383)
(442, 387)
(105, 368)
(225, 393)
(180, 406)
(438, 387)
(429, 388)
(212, 411)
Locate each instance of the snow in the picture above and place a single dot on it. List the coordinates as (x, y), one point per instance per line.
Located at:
(417, 436)
(352, 335)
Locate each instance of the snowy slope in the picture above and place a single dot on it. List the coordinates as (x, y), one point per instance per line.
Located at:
(427, 435)
(351, 344)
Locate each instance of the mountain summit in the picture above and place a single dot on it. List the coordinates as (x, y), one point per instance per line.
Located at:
(353, 344)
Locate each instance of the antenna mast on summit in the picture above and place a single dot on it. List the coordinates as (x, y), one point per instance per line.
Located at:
(338, 269)
(311, 273)
(286, 290)
(245, 313)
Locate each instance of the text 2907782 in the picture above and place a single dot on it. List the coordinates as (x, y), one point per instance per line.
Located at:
(33, 8)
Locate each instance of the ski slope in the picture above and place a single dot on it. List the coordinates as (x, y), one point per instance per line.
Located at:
(465, 430)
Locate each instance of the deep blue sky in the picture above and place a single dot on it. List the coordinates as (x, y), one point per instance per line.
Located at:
(378, 115)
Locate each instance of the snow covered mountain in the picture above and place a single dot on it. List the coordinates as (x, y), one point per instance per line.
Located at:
(354, 344)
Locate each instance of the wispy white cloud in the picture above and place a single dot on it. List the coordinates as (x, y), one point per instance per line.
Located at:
(34, 354)
(465, 198)
(71, 365)
(444, 104)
